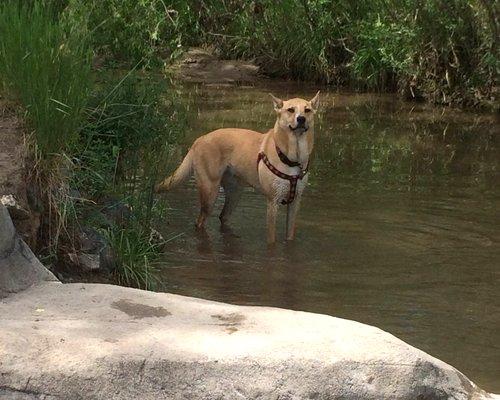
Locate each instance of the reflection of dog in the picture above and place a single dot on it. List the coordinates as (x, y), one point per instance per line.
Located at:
(275, 163)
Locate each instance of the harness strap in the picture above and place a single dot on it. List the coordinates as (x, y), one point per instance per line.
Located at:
(285, 160)
(292, 178)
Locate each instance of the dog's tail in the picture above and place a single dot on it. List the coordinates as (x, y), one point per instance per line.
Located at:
(181, 174)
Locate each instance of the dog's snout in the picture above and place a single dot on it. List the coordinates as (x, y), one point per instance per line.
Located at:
(301, 119)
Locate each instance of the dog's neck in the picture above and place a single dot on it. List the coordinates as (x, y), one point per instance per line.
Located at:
(297, 147)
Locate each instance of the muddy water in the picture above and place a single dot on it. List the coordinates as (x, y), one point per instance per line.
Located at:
(399, 227)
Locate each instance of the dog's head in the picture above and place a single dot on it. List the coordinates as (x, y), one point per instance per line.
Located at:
(296, 115)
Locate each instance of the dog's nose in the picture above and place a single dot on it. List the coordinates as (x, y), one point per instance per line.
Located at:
(301, 119)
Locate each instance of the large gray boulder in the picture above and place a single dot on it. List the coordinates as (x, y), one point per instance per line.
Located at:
(19, 268)
(92, 341)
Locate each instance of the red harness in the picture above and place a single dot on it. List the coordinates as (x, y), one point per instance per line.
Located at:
(292, 178)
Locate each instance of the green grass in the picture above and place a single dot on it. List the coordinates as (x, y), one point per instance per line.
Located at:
(45, 65)
(446, 49)
(137, 256)
(443, 50)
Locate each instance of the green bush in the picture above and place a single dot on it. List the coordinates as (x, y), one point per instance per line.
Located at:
(132, 126)
(445, 49)
(130, 31)
(385, 52)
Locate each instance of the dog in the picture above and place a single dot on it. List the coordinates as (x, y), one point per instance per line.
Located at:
(275, 163)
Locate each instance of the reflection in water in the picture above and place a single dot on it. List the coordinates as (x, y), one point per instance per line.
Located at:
(398, 229)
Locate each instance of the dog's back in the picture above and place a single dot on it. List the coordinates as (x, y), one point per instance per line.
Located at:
(211, 154)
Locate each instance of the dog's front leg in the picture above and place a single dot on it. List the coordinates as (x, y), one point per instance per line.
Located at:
(272, 210)
(291, 215)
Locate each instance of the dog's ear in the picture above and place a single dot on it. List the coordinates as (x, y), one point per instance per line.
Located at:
(278, 103)
(315, 102)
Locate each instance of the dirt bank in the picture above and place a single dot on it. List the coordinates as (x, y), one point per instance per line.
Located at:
(201, 66)
(14, 189)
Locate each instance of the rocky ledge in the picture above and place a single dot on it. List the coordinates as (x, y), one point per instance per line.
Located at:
(91, 341)
(19, 268)
(95, 341)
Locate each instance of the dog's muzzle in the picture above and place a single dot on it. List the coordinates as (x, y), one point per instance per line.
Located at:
(299, 128)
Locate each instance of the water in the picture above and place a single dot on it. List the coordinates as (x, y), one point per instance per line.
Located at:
(398, 228)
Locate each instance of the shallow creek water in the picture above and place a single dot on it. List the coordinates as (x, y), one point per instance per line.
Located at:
(399, 227)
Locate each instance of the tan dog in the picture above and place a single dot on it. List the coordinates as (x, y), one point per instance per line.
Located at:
(275, 163)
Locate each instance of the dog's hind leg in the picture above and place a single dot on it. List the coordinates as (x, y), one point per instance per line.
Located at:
(232, 192)
(208, 171)
(208, 182)
(208, 194)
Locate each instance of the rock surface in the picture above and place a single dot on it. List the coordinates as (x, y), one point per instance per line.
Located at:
(97, 341)
(94, 253)
(19, 268)
(16, 211)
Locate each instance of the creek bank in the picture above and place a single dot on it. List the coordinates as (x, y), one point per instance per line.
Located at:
(15, 191)
(96, 341)
(89, 257)
(200, 66)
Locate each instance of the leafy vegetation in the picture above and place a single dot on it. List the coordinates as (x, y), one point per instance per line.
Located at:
(443, 50)
(130, 31)
(132, 127)
(90, 142)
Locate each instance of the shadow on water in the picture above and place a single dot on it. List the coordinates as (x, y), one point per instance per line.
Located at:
(398, 228)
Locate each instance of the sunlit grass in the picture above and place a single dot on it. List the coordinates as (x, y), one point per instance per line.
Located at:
(137, 256)
(45, 65)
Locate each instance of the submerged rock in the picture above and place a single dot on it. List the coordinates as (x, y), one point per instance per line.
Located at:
(95, 253)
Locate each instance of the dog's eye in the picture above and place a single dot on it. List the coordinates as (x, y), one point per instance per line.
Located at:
(291, 110)
(307, 110)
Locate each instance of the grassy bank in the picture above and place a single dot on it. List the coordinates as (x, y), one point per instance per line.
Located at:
(95, 148)
(440, 50)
